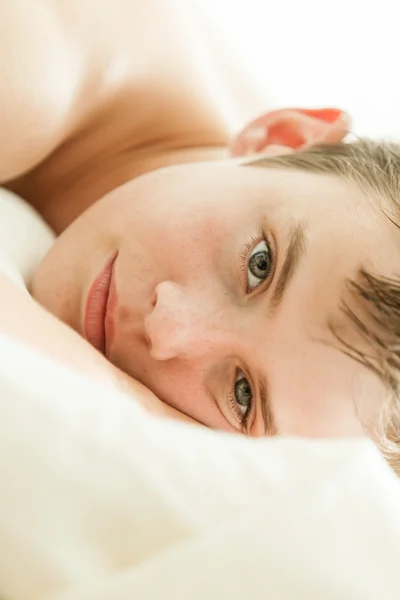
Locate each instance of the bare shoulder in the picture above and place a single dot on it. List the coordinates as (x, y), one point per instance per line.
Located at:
(63, 58)
(37, 80)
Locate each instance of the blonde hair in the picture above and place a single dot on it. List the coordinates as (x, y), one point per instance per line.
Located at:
(374, 167)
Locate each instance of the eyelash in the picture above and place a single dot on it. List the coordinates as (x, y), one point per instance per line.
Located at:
(244, 256)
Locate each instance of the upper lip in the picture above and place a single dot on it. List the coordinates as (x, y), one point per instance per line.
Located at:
(96, 307)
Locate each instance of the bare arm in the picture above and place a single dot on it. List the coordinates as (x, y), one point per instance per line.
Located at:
(22, 318)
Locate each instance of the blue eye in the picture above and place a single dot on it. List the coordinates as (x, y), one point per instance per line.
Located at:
(243, 394)
(259, 265)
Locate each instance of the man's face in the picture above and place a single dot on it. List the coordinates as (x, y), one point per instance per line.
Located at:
(224, 284)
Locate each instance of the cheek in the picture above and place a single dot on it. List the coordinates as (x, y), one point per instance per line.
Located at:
(185, 244)
(58, 281)
(184, 387)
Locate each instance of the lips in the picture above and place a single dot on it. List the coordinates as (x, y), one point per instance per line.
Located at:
(96, 307)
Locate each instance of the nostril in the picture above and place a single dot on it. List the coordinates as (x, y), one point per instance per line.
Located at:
(171, 323)
(153, 299)
(147, 333)
(160, 336)
(147, 340)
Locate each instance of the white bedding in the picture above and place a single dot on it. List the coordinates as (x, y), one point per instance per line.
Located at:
(24, 238)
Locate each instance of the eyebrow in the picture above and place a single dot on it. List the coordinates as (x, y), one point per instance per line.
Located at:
(294, 253)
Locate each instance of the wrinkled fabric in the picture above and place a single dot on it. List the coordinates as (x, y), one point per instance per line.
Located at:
(99, 500)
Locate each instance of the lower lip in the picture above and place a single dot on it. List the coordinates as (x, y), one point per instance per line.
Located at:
(96, 308)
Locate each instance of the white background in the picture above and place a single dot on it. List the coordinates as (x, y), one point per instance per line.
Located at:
(312, 53)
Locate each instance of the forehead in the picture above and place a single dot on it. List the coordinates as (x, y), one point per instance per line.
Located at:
(304, 192)
(332, 210)
(254, 182)
(312, 195)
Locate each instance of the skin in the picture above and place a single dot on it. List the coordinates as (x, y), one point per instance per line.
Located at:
(90, 149)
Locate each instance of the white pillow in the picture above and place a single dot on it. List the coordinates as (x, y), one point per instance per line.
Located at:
(100, 501)
(24, 238)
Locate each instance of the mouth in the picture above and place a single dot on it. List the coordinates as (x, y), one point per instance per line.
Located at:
(96, 307)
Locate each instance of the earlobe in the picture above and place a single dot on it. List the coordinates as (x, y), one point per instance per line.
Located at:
(287, 130)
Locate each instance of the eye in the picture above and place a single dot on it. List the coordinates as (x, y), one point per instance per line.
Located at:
(241, 398)
(259, 265)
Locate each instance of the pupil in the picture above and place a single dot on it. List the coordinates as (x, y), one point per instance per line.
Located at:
(259, 264)
(261, 261)
(242, 392)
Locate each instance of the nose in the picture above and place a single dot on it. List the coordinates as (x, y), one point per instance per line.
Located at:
(183, 324)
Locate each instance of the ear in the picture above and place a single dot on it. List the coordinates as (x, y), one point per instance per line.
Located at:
(291, 129)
